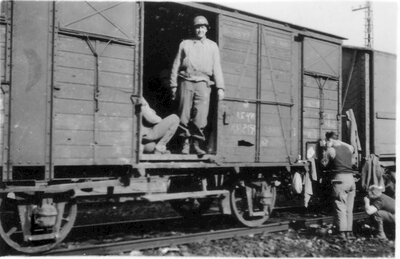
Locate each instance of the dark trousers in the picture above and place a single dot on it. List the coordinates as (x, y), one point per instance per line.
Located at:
(385, 221)
(194, 103)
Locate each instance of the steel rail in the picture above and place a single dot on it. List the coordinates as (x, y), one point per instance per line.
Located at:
(148, 243)
(126, 246)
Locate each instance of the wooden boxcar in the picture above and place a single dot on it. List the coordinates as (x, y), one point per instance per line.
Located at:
(73, 73)
(369, 89)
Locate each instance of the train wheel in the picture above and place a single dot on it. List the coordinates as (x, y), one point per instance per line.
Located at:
(18, 230)
(252, 203)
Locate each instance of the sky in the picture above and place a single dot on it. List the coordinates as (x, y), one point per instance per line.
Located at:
(335, 17)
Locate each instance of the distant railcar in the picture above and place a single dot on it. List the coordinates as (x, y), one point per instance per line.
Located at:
(369, 89)
(73, 73)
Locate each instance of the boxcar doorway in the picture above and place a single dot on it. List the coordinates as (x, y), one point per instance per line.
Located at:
(165, 26)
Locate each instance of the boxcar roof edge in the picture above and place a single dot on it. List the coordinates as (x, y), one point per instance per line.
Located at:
(220, 8)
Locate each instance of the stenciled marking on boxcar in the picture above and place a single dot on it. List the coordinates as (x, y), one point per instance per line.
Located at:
(237, 33)
(34, 68)
(246, 123)
(248, 116)
(244, 129)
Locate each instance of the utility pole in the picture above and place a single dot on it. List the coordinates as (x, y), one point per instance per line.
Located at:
(368, 29)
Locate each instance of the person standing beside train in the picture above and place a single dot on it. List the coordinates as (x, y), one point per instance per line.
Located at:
(344, 188)
(197, 61)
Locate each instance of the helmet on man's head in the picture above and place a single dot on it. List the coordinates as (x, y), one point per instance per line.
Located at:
(200, 20)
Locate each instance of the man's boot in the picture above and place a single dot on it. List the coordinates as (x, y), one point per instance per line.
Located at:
(380, 231)
(185, 147)
(197, 149)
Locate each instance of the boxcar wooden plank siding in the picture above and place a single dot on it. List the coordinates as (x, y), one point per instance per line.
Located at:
(310, 81)
(115, 95)
(314, 113)
(2, 51)
(241, 128)
(74, 105)
(239, 57)
(71, 91)
(30, 74)
(112, 109)
(328, 94)
(81, 16)
(86, 122)
(73, 137)
(384, 100)
(276, 133)
(73, 122)
(66, 152)
(84, 138)
(109, 128)
(2, 79)
(74, 75)
(71, 47)
(85, 92)
(315, 103)
(321, 57)
(71, 106)
(110, 79)
(276, 75)
(276, 86)
(114, 124)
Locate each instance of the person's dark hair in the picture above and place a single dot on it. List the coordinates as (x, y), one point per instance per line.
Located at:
(331, 135)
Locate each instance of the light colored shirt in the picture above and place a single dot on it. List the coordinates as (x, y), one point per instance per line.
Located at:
(149, 117)
(197, 60)
(335, 143)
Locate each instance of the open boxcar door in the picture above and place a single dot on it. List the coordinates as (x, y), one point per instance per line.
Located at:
(96, 83)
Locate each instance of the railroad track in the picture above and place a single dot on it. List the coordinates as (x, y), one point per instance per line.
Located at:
(148, 243)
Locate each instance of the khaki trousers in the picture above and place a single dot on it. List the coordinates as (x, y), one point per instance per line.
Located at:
(161, 133)
(344, 192)
(194, 102)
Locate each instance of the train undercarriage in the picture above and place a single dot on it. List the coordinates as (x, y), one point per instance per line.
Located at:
(36, 218)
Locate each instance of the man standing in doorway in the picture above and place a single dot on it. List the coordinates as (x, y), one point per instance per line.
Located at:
(197, 61)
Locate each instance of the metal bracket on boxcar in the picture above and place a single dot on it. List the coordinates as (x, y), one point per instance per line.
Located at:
(137, 102)
(226, 118)
(2, 87)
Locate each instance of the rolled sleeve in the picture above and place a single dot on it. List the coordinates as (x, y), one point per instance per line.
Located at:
(149, 114)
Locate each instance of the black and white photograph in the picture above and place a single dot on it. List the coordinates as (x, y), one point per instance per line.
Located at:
(199, 129)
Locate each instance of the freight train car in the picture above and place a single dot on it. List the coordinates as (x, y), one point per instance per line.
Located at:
(72, 77)
(369, 89)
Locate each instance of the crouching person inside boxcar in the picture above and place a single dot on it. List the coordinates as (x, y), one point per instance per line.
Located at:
(156, 132)
(382, 210)
(198, 59)
(344, 188)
